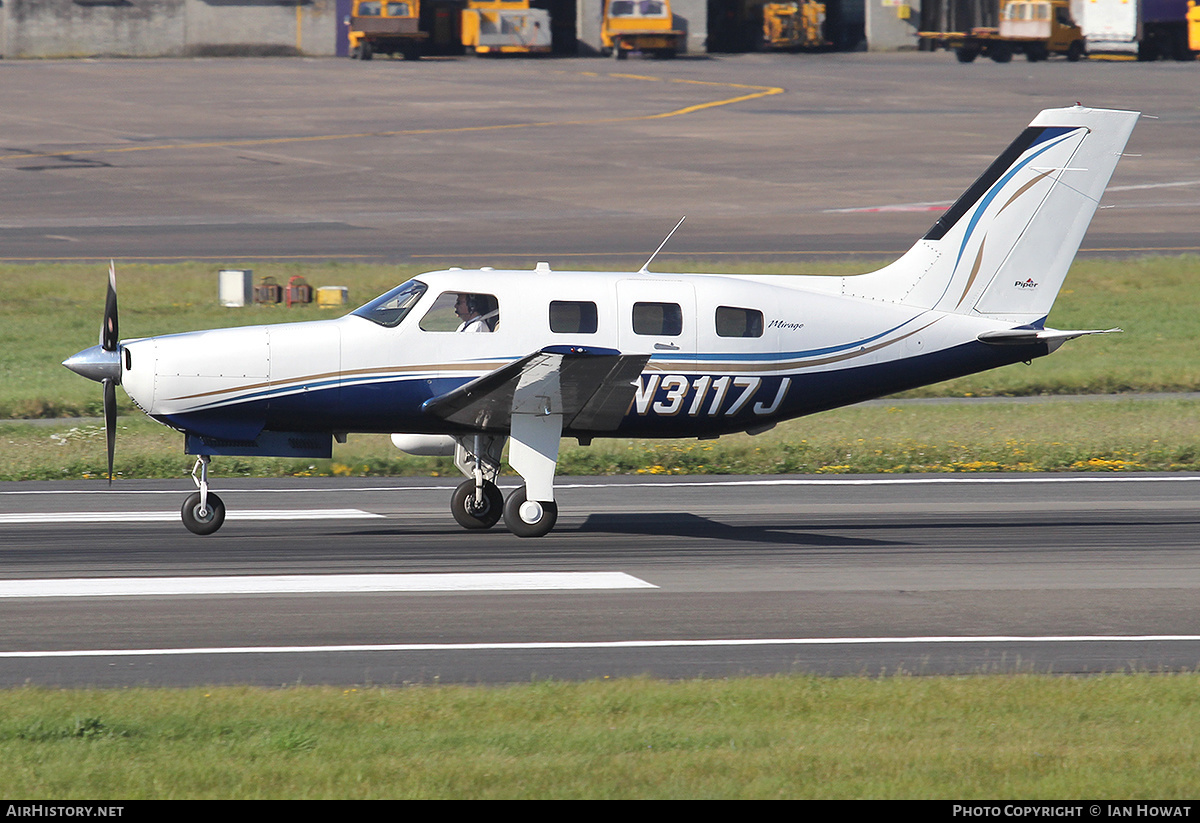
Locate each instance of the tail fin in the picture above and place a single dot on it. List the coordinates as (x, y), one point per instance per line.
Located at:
(1003, 249)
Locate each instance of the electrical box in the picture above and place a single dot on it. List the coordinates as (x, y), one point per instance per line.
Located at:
(235, 287)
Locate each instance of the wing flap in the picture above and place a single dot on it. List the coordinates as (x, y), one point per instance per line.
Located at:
(591, 388)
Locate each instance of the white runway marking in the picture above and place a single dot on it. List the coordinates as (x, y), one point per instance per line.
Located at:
(320, 584)
(164, 517)
(615, 644)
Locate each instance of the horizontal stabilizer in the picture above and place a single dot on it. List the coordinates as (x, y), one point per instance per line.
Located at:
(591, 388)
(1025, 337)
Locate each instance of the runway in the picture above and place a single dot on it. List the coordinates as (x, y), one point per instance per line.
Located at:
(671, 577)
(505, 163)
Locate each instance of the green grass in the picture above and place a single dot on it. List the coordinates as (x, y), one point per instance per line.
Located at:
(1053, 435)
(1120, 736)
(50, 311)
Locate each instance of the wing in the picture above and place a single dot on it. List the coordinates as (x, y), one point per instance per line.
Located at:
(591, 388)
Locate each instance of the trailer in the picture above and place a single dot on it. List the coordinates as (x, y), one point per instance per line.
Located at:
(1141, 29)
(505, 27)
(1035, 28)
(385, 27)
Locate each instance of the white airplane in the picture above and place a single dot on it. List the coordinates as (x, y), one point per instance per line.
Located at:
(460, 361)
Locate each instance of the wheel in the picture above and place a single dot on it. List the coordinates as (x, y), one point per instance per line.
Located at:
(364, 51)
(1035, 52)
(212, 519)
(468, 515)
(1075, 51)
(411, 52)
(966, 54)
(527, 518)
(1001, 53)
(618, 53)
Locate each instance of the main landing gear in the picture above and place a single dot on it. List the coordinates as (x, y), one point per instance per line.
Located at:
(478, 503)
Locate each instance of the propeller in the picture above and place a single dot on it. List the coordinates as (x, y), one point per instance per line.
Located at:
(110, 341)
(103, 364)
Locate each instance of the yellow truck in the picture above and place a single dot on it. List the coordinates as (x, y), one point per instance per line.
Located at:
(1035, 28)
(798, 25)
(385, 27)
(505, 27)
(643, 26)
(1193, 25)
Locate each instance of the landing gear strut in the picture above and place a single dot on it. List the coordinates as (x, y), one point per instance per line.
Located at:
(203, 512)
(477, 503)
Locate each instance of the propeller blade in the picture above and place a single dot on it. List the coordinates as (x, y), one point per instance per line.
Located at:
(110, 422)
(109, 337)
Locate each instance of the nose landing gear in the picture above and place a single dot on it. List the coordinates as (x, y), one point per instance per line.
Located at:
(203, 512)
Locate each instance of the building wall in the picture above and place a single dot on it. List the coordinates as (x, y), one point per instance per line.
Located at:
(151, 28)
(891, 25)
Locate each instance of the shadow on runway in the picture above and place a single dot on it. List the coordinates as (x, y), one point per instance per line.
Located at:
(685, 525)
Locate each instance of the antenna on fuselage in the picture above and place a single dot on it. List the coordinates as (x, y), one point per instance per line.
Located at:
(646, 266)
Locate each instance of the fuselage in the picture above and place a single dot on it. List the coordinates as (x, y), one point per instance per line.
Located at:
(726, 353)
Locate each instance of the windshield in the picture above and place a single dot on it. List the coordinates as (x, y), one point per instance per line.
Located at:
(636, 8)
(389, 309)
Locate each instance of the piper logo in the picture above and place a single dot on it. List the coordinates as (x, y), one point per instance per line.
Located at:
(1026, 284)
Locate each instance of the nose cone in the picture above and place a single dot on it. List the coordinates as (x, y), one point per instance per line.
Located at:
(96, 364)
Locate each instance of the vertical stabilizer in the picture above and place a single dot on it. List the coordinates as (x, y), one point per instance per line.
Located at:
(1004, 247)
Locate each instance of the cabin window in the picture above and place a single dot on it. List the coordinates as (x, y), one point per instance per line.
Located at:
(733, 322)
(389, 309)
(398, 10)
(573, 317)
(657, 319)
(369, 9)
(462, 311)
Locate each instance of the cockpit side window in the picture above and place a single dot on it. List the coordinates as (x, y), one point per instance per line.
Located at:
(389, 309)
(456, 311)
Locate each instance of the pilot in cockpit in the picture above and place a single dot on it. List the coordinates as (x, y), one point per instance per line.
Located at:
(475, 313)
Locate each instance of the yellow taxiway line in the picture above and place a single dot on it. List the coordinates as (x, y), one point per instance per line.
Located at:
(756, 92)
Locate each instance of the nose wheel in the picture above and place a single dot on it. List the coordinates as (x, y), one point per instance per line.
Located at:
(203, 512)
(203, 518)
(529, 518)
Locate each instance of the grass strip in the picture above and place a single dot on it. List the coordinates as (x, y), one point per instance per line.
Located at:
(986, 737)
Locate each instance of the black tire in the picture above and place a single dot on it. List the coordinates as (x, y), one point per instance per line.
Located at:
(462, 505)
(521, 527)
(210, 522)
(364, 51)
(1001, 53)
(1035, 52)
(618, 53)
(1075, 51)
(966, 54)
(411, 53)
